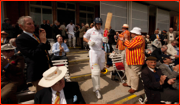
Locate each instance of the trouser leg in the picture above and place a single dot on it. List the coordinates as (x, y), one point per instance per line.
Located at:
(134, 77)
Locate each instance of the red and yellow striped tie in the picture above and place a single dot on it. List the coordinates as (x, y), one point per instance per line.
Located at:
(45, 50)
(57, 100)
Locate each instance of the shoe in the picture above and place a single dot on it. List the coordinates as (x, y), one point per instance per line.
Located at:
(125, 85)
(98, 94)
(132, 91)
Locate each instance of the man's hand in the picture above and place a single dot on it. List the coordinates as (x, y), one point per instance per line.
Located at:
(59, 28)
(126, 36)
(159, 39)
(165, 40)
(91, 43)
(61, 49)
(42, 35)
(4, 62)
(176, 56)
(171, 81)
(162, 79)
(176, 68)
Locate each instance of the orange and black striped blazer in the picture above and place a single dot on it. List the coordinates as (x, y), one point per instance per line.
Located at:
(135, 52)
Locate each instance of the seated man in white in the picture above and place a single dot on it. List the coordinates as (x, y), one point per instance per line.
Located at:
(173, 51)
(59, 49)
(56, 90)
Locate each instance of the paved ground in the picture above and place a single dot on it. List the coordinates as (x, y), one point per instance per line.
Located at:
(112, 91)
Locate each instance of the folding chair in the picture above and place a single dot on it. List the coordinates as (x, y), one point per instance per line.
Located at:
(118, 65)
(62, 63)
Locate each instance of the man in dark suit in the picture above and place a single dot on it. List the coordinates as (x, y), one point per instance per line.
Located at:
(44, 24)
(48, 29)
(157, 36)
(35, 50)
(111, 37)
(169, 71)
(55, 29)
(159, 52)
(157, 86)
(56, 90)
(12, 75)
(7, 27)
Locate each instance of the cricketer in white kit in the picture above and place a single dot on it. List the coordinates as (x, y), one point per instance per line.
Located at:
(94, 37)
(70, 33)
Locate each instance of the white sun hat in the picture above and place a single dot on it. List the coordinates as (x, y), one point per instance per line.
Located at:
(136, 30)
(52, 76)
(125, 26)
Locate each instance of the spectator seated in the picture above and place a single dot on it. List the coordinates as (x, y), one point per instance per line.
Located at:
(158, 87)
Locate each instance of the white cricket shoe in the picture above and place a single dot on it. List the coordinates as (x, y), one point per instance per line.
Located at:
(98, 94)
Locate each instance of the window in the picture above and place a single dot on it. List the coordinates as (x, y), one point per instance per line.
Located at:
(44, 3)
(70, 6)
(61, 5)
(86, 14)
(40, 11)
(82, 8)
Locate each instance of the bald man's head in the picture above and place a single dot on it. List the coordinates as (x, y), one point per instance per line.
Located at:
(156, 32)
(170, 29)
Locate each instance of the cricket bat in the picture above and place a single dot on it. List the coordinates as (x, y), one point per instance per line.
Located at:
(108, 23)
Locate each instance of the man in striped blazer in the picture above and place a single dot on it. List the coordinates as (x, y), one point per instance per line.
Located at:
(135, 57)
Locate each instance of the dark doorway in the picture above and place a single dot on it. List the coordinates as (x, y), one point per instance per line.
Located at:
(65, 16)
(152, 24)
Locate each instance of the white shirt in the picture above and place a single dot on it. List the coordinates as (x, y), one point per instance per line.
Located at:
(171, 36)
(30, 34)
(62, 97)
(151, 69)
(4, 40)
(70, 27)
(95, 36)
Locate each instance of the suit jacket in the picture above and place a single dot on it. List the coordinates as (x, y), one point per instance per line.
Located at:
(81, 31)
(48, 31)
(70, 90)
(170, 74)
(171, 50)
(5, 42)
(157, 53)
(153, 37)
(14, 72)
(174, 33)
(55, 31)
(35, 56)
(111, 37)
(9, 29)
(151, 86)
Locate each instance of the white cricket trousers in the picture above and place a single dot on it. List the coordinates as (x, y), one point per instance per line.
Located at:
(96, 58)
(70, 36)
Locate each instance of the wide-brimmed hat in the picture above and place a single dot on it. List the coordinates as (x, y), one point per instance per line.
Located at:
(52, 76)
(6, 47)
(6, 19)
(136, 30)
(125, 26)
(58, 35)
(3, 32)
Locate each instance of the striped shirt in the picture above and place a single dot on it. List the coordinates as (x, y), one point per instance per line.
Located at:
(135, 52)
(120, 43)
